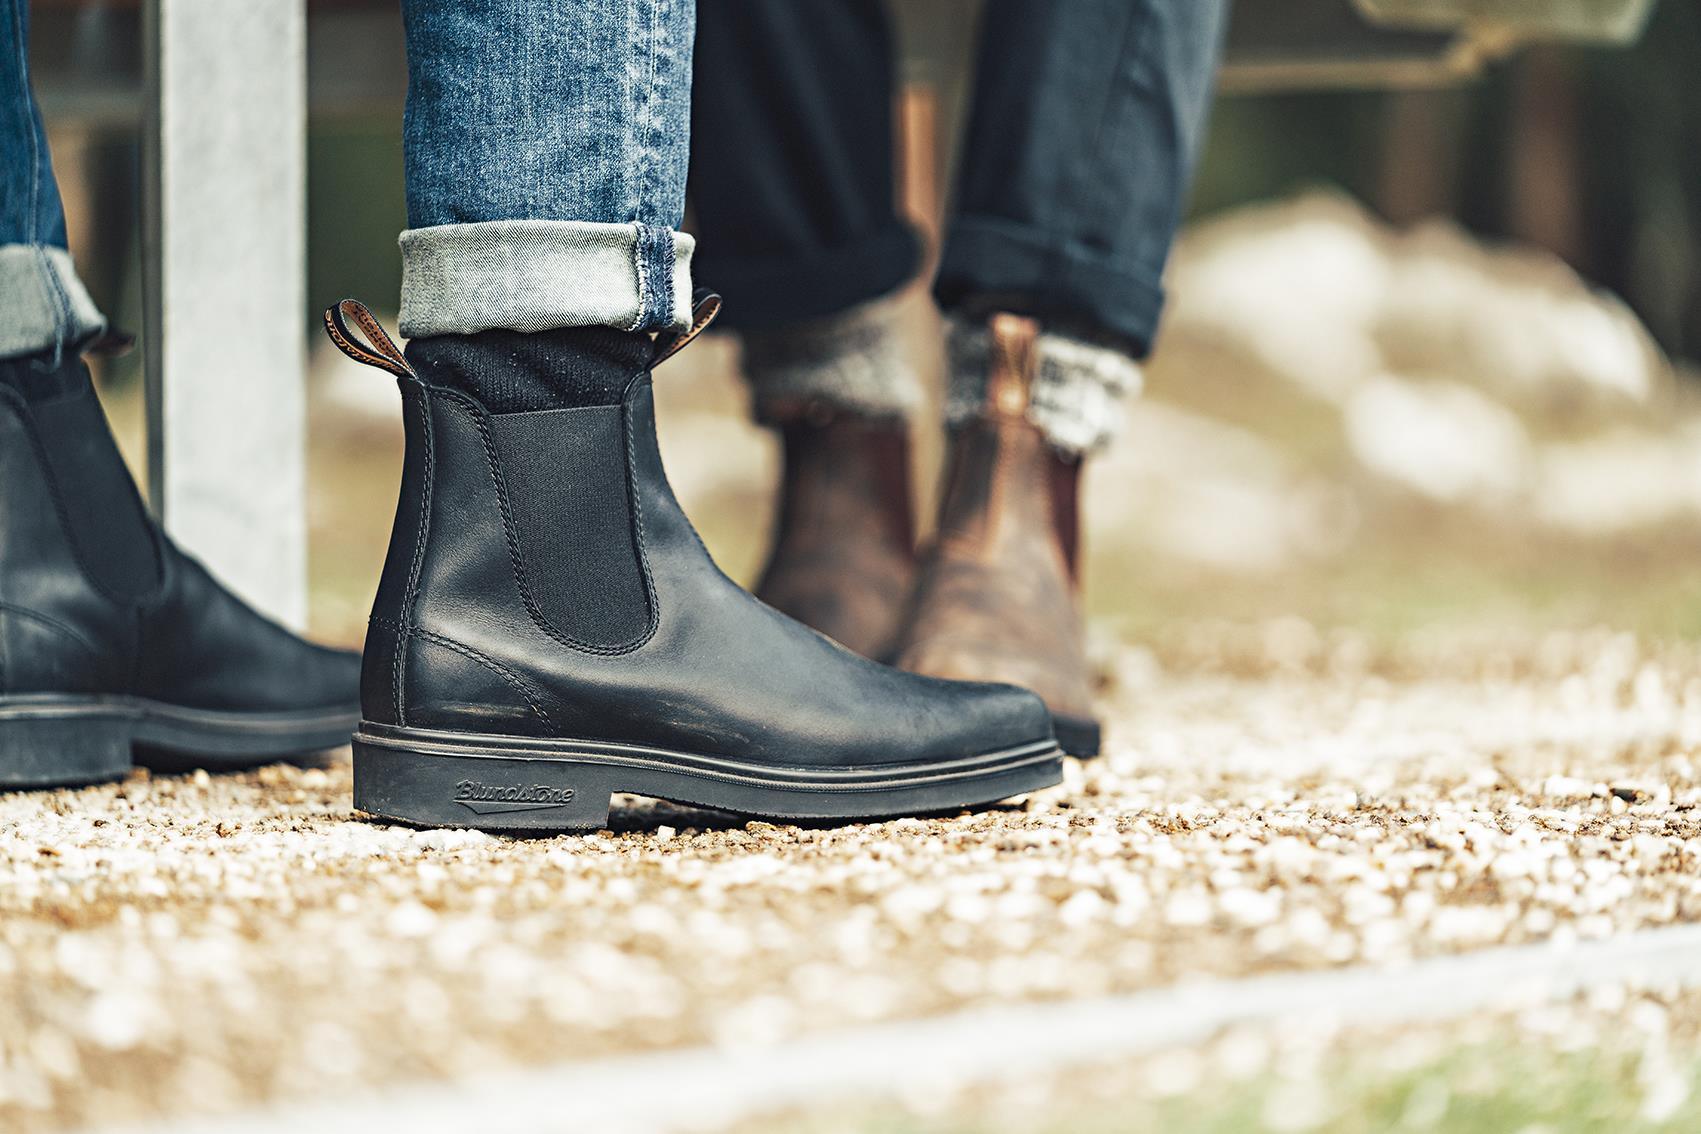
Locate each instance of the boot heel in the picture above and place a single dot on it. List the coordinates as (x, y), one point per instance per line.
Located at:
(62, 745)
(489, 792)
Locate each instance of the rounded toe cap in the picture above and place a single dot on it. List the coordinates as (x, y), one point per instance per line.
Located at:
(1013, 716)
(982, 717)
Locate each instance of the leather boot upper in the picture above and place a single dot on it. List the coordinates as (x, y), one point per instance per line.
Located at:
(996, 595)
(843, 555)
(95, 599)
(543, 581)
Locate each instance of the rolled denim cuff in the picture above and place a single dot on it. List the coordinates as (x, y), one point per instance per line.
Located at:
(988, 257)
(43, 305)
(1079, 392)
(537, 275)
(852, 361)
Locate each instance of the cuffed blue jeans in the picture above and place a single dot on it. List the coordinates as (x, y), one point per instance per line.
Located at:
(546, 154)
(546, 150)
(43, 305)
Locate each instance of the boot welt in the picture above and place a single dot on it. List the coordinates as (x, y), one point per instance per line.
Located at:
(62, 740)
(1078, 736)
(437, 778)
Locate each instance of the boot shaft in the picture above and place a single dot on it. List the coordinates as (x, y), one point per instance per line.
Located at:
(845, 471)
(79, 556)
(518, 546)
(998, 594)
(842, 555)
(73, 492)
(510, 528)
(1003, 480)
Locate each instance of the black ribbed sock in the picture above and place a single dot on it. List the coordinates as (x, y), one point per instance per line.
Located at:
(512, 371)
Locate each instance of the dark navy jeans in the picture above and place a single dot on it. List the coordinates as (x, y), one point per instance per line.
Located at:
(1086, 120)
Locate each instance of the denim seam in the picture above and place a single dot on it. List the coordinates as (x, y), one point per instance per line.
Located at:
(1137, 37)
(647, 110)
(654, 251)
(666, 257)
(664, 254)
(24, 100)
(641, 262)
(636, 98)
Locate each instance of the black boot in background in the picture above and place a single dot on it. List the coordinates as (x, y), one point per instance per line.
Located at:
(550, 631)
(113, 640)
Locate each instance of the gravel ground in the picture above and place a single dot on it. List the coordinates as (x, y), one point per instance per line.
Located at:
(1274, 798)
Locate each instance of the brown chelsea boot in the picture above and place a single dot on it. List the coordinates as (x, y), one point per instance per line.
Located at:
(997, 593)
(843, 555)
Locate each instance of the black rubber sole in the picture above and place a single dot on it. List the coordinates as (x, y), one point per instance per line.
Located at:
(1077, 736)
(64, 741)
(497, 783)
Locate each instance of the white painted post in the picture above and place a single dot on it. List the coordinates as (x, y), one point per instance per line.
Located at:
(224, 237)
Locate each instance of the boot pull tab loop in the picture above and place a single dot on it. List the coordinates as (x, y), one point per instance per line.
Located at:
(377, 349)
(703, 312)
(1014, 360)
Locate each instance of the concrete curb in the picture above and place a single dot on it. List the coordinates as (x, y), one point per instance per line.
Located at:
(704, 1087)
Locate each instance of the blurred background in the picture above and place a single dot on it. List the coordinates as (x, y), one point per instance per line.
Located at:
(1428, 362)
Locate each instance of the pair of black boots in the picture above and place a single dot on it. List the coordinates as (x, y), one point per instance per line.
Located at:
(548, 629)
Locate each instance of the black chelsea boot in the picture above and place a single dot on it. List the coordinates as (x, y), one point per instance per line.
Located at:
(112, 641)
(549, 631)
